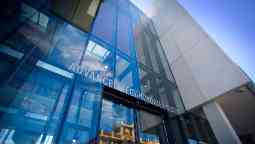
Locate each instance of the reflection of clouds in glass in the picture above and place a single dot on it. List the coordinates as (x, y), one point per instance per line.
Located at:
(113, 115)
(74, 52)
(125, 83)
(97, 51)
(123, 79)
(96, 67)
(92, 64)
(95, 59)
(107, 116)
(74, 32)
(68, 44)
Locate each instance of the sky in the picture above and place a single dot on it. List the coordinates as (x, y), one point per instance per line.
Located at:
(231, 23)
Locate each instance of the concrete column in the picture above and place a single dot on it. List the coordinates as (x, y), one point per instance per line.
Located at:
(223, 131)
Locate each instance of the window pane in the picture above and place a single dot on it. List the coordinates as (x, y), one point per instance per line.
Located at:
(97, 63)
(83, 114)
(124, 36)
(106, 16)
(126, 75)
(116, 124)
(9, 60)
(123, 6)
(51, 39)
(146, 49)
(67, 46)
(31, 108)
(159, 88)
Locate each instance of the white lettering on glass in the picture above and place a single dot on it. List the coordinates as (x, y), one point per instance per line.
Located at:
(102, 77)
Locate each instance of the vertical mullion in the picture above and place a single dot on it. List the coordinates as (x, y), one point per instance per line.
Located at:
(99, 116)
(66, 107)
(136, 125)
(53, 111)
(135, 73)
(165, 137)
(115, 43)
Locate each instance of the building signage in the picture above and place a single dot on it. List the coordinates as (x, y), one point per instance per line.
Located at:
(106, 78)
(87, 73)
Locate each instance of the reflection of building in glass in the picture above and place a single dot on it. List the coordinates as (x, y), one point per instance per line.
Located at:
(122, 133)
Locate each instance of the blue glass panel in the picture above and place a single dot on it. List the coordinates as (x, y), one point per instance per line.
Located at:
(134, 13)
(124, 77)
(10, 17)
(124, 36)
(107, 17)
(97, 64)
(48, 38)
(27, 34)
(67, 47)
(117, 121)
(83, 114)
(123, 6)
(8, 65)
(31, 106)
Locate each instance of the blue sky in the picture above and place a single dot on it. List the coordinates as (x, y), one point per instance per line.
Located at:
(231, 23)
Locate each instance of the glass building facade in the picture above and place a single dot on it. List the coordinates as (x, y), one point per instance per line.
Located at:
(59, 60)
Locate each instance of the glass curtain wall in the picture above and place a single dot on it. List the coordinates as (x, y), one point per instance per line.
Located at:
(122, 124)
(116, 124)
(53, 67)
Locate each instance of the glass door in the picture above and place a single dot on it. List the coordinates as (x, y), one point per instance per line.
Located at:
(117, 124)
(150, 128)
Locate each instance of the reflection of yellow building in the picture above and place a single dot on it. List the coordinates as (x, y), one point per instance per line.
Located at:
(122, 133)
